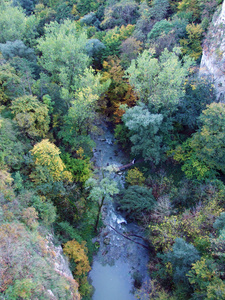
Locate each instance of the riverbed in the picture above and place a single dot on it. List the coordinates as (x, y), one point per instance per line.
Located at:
(120, 263)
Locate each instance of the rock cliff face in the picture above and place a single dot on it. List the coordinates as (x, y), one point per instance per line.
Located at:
(213, 58)
(60, 261)
(61, 266)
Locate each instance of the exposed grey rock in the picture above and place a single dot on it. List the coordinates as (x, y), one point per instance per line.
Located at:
(60, 261)
(213, 58)
(53, 297)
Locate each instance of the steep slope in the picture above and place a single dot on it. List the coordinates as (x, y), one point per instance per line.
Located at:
(213, 58)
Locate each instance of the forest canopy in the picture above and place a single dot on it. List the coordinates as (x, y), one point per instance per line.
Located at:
(67, 66)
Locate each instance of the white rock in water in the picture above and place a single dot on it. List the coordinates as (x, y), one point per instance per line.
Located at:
(108, 141)
(121, 220)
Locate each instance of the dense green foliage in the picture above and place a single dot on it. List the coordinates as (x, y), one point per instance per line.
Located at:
(136, 200)
(64, 65)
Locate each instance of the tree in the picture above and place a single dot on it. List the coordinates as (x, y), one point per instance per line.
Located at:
(145, 132)
(220, 222)
(94, 49)
(100, 192)
(47, 155)
(86, 6)
(79, 120)
(44, 15)
(63, 54)
(194, 226)
(181, 258)
(64, 10)
(163, 26)
(193, 167)
(6, 184)
(28, 5)
(122, 13)
(209, 142)
(31, 115)
(159, 9)
(78, 252)
(11, 148)
(192, 45)
(119, 91)
(9, 83)
(122, 135)
(159, 83)
(192, 6)
(80, 167)
(136, 201)
(29, 217)
(12, 23)
(205, 280)
(90, 20)
(17, 48)
(130, 48)
(135, 177)
(113, 39)
(26, 71)
(198, 93)
(144, 23)
(203, 153)
(15, 25)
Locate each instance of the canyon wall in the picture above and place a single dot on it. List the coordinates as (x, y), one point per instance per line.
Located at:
(213, 58)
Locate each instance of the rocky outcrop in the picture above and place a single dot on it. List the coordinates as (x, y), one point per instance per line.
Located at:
(213, 58)
(61, 266)
(60, 261)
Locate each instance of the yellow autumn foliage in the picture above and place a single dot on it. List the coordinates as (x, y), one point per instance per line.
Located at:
(46, 154)
(78, 252)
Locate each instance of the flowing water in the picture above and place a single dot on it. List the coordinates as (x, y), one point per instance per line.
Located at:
(119, 261)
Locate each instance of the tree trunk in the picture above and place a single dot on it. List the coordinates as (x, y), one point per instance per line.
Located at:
(99, 213)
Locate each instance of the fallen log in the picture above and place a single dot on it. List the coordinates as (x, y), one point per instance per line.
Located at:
(126, 237)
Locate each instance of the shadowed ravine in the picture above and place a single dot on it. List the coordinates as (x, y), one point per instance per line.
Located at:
(120, 261)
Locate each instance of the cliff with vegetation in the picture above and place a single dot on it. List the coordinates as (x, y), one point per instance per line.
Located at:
(213, 58)
(32, 266)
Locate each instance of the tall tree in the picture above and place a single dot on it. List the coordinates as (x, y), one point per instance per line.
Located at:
(79, 120)
(101, 191)
(159, 83)
(63, 54)
(145, 129)
(14, 24)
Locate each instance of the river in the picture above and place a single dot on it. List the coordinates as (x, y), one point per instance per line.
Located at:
(119, 263)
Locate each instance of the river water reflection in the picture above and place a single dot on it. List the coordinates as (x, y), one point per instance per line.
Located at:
(118, 260)
(111, 282)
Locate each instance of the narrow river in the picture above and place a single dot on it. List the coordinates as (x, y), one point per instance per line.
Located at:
(120, 262)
